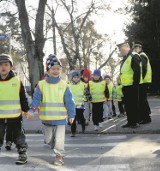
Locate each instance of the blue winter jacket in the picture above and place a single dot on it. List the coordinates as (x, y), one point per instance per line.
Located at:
(68, 100)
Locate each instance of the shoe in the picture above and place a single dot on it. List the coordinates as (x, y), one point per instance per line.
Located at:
(127, 125)
(22, 159)
(105, 118)
(83, 131)
(144, 122)
(59, 160)
(86, 124)
(121, 115)
(114, 115)
(135, 126)
(8, 146)
(72, 135)
(100, 125)
(95, 127)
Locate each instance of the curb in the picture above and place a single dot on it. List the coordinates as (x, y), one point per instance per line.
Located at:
(101, 132)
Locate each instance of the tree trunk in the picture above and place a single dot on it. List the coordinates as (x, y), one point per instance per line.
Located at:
(34, 49)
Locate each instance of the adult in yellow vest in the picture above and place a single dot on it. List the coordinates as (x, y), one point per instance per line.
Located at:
(144, 109)
(12, 102)
(56, 107)
(130, 74)
(77, 88)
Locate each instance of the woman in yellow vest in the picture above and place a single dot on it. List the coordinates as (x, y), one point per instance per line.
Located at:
(99, 93)
(144, 108)
(12, 102)
(56, 107)
(77, 89)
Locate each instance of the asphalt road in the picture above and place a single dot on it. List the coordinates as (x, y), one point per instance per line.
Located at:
(96, 152)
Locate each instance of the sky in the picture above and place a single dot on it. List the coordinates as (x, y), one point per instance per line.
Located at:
(106, 22)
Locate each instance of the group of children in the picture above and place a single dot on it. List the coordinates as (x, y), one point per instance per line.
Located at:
(96, 96)
(58, 102)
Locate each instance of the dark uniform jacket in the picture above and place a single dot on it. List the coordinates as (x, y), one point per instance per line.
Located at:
(23, 100)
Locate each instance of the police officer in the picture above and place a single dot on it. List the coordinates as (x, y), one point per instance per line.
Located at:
(144, 109)
(130, 74)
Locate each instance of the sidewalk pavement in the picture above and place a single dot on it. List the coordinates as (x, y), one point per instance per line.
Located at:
(112, 126)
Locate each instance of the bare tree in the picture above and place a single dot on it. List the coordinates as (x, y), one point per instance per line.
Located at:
(70, 32)
(34, 48)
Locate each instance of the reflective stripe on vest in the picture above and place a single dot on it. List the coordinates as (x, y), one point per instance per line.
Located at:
(78, 92)
(52, 106)
(148, 76)
(9, 98)
(97, 91)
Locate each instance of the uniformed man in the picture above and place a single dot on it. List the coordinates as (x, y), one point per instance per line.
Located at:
(130, 76)
(144, 109)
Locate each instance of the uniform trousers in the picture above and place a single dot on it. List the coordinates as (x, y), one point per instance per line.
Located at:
(144, 109)
(131, 101)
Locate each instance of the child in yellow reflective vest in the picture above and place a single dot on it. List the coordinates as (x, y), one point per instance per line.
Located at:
(77, 88)
(109, 104)
(99, 93)
(56, 107)
(86, 77)
(12, 102)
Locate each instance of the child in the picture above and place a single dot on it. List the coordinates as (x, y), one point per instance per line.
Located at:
(99, 93)
(77, 88)
(119, 98)
(55, 100)
(12, 100)
(108, 112)
(87, 112)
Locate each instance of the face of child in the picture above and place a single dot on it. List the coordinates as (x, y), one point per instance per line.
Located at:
(85, 79)
(54, 71)
(5, 68)
(107, 80)
(96, 77)
(76, 79)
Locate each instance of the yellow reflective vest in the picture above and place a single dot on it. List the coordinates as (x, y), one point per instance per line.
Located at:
(97, 90)
(52, 106)
(119, 93)
(126, 71)
(148, 76)
(9, 98)
(110, 88)
(78, 92)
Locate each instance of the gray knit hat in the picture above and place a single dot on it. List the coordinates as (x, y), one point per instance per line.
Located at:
(6, 58)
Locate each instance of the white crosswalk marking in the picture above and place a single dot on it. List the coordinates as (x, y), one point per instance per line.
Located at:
(83, 153)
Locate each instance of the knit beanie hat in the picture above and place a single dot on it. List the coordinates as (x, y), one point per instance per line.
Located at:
(52, 60)
(97, 72)
(6, 58)
(107, 76)
(86, 73)
(76, 74)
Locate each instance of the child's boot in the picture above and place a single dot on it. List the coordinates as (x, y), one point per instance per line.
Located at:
(8, 146)
(59, 160)
(22, 159)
